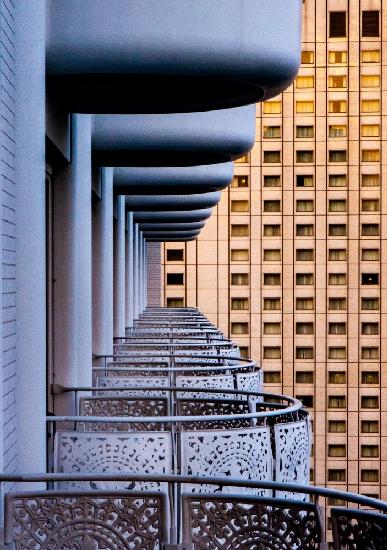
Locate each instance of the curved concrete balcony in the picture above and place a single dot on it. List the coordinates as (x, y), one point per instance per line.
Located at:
(161, 203)
(185, 139)
(172, 56)
(172, 180)
(172, 216)
(171, 226)
(166, 235)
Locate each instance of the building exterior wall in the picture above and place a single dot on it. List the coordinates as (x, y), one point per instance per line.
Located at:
(154, 274)
(301, 248)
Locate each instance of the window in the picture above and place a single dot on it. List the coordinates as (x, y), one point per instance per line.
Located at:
(175, 278)
(304, 279)
(370, 329)
(337, 156)
(305, 131)
(271, 132)
(369, 303)
(337, 205)
(303, 107)
(370, 229)
(337, 81)
(337, 279)
(305, 303)
(337, 130)
(272, 377)
(370, 155)
(239, 279)
(337, 377)
(370, 254)
(337, 426)
(304, 81)
(337, 230)
(307, 57)
(337, 180)
(304, 377)
(175, 302)
(337, 352)
(369, 451)
(337, 304)
(304, 206)
(337, 402)
(244, 351)
(272, 181)
(271, 230)
(175, 255)
(304, 230)
(239, 255)
(370, 353)
(370, 130)
(304, 156)
(369, 426)
(272, 206)
(337, 255)
(239, 206)
(239, 230)
(370, 106)
(369, 476)
(337, 451)
(304, 328)
(370, 23)
(370, 81)
(239, 328)
(304, 254)
(369, 377)
(272, 352)
(337, 106)
(306, 400)
(370, 278)
(272, 156)
(272, 107)
(337, 24)
(370, 180)
(239, 303)
(304, 352)
(272, 328)
(370, 402)
(304, 180)
(272, 304)
(240, 181)
(270, 255)
(337, 328)
(272, 279)
(370, 56)
(337, 57)
(336, 475)
(243, 158)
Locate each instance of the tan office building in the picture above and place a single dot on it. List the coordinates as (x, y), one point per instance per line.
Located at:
(293, 262)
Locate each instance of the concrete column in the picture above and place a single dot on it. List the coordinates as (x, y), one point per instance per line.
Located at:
(72, 266)
(136, 286)
(140, 271)
(144, 275)
(30, 237)
(102, 306)
(119, 269)
(129, 269)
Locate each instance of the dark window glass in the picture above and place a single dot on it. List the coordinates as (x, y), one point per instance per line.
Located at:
(370, 23)
(175, 255)
(337, 24)
(175, 278)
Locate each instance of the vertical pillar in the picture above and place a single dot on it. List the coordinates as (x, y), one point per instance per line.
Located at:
(30, 221)
(102, 306)
(72, 266)
(136, 285)
(145, 287)
(119, 269)
(129, 269)
(140, 272)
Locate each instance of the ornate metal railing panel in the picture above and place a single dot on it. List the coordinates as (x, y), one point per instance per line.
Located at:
(208, 407)
(358, 529)
(218, 382)
(111, 382)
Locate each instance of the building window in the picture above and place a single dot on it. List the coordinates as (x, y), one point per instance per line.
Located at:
(239, 230)
(243, 159)
(337, 328)
(175, 278)
(305, 303)
(337, 130)
(337, 451)
(338, 156)
(337, 304)
(370, 278)
(175, 302)
(369, 451)
(271, 328)
(272, 304)
(305, 132)
(272, 279)
(306, 400)
(239, 255)
(336, 475)
(240, 181)
(304, 279)
(307, 57)
(337, 402)
(337, 230)
(369, 476)
(370, 56)
(305, 81)
(272, 156)
(304, 206)
(272, 352)
(337, 377)
(304, 377)
(370, 180)
(337, 279)
(175, 255)
(370, 155)
(370, 353)
(370, 229)
(370, 130)
(337, 352)
(239, 279)
(271, 132)
(272, 255)
(239, 303)
(370, 254)
(336, 80)
(272, 377)
(272, 107)
(272, 206)
(337, 24)
(239, 328)
(239, 206)
(337, 205)
(337, 57)
(370, 23)
(370, 80)
(304, 180)
(370, 426)
(244, 351)
(305, 156)
(370, 303)
(337, 180)
(337, 106)
(303, 107)
(304, 328)
(370, 329)
(369, 402)
(337, 426)
(304, 255)
(272, 181)
(271, 230)
(370, 106)
(369, 377)
(337, 255)
(304, 352)
(305, 230)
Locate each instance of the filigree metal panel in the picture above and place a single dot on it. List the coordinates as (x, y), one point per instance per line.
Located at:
(133, 382)
(244, 453)
(251, 381)
(58, 521)
(219, 382)
(292, 449)
(358, 530)
(204, 407)
(238, 523)
(122, 406)
(141, 452)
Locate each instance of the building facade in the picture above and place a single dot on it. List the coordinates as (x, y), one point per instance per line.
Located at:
(292, 265)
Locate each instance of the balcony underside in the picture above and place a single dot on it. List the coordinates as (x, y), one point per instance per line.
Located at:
(172, 216)
(171, 202)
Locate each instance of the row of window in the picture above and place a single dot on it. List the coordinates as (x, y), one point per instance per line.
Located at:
(307, 180)
(243, 230)
(366, 476)
(334, 352)
(369, 24)
(340, 56)
(335, 328)
(334, 230)
(335, 106)
(307, 205)
(334, 155)
(338, 80)
(334, 131)
(340, 401)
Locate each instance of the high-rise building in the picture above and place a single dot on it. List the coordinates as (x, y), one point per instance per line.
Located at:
(292, 264)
